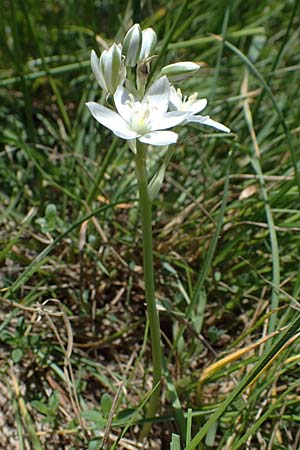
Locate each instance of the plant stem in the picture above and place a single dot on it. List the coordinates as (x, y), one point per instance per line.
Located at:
(146, 213)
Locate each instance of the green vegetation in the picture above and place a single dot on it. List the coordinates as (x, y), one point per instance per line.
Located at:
(76, 359)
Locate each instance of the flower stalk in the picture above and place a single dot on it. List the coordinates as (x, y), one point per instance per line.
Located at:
(144, 113)
(146, 216)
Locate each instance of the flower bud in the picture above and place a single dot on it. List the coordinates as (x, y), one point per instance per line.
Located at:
(179, 71)
(95, 64)
(109, 71)
(149, 40)
(132, 45)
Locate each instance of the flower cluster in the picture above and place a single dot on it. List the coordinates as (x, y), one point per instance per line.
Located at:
(144, 112)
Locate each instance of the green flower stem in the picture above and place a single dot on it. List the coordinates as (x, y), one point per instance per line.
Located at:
(146, 213)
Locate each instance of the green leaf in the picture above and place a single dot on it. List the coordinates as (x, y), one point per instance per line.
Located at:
(125, 416)
(50, 211)
(106, 404)
(94, 416)
(54, 401)
(94, 444)
(40, 407)
(211, 435)
(17, 355)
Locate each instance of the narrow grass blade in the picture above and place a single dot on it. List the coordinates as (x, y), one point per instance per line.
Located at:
(220, 53)
(273, 406)
(175, 442)
(178, 412)
(198, 289)
(255, 160)
(189, 426)
(213, 244)
(259, 76)
(167, 39)
(53, 84)
(280, 52)
(266, 359)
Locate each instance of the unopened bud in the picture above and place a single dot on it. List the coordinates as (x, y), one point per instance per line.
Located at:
(109, 71)
(132, 45)
(149, 40)
(179, 71)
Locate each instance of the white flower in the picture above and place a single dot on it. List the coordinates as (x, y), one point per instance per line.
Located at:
(144, 120)
(109, 69)
(191, 105)
(149, 40)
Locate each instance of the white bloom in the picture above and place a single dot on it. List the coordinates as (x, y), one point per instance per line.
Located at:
(149, 40)
(191, 105)
(109, 69)
(144, 120)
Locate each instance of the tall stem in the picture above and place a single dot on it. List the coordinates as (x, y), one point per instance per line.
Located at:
(146, 213)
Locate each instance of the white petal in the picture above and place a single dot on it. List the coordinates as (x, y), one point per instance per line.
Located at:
(158, 95)
(175, 99)
(121, 99)
(149, 40)
(112, 121)
(167, 120)
(198, 106)
(159, 138)
(96, 70)
(202, 120)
